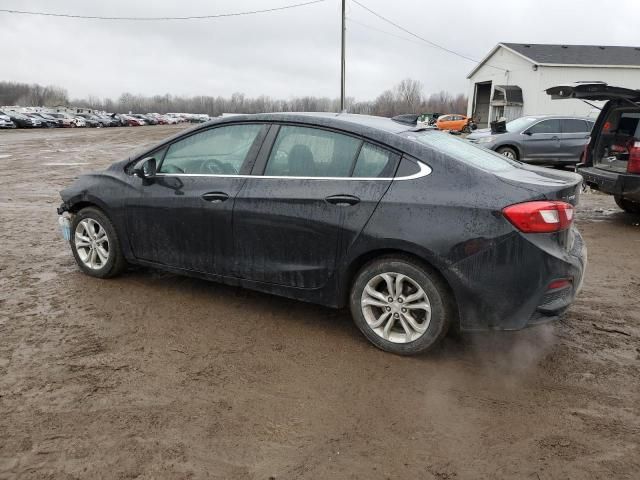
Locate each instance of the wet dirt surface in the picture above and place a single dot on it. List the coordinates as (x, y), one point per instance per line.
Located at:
(152, 375)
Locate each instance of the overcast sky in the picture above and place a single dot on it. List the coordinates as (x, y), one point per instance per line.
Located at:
(287, 53)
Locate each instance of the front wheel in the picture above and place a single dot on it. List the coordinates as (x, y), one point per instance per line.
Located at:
(95, 244)
(627, 205)
(400, 305)
(508, 152)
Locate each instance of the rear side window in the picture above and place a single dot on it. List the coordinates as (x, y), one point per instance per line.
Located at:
(574, 125)
(217, 151)
(311, 152)
(546, 126)
(464, 151)
(374, 162)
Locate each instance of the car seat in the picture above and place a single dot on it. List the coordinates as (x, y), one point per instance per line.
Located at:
(301, 162)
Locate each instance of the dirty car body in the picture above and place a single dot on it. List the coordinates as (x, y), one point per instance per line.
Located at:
(304, 230)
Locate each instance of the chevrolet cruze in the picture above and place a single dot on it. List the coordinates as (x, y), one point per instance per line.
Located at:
(415, 230)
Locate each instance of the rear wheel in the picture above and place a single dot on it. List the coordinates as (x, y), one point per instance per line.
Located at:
(627, 205)
(95, 244)
(508, 152)
(400, 305)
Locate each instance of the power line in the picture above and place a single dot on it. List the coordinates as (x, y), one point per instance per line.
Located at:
(428, 42)
(383, 31)
(152, 19)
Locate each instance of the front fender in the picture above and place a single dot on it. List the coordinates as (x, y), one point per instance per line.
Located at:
(105, 190)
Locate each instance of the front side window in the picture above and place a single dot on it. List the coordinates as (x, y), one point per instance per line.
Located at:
(374, 162)
(217, 151)
(311, 152)
(546, 126)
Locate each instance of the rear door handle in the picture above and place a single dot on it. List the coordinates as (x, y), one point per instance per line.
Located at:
(343, 200)
(215, 197)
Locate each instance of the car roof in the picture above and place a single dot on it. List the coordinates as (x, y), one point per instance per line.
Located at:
(347, 121)
(545, 117)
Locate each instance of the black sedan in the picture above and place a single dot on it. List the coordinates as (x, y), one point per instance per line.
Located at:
(46, 121)
(415, 230)
(21, 120)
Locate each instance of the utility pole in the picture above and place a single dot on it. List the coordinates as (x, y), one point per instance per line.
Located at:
(342, 65)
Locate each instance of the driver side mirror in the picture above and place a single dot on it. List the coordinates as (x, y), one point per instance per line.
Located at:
(145, 168)
(527, 132)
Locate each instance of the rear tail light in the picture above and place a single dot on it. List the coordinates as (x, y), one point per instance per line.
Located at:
(560, 283)
(540, 216)
(633, 165)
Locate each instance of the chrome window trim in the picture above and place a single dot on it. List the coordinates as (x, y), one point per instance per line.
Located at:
(424, 171)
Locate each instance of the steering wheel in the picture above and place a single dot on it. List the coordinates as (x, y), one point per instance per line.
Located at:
(216, 167)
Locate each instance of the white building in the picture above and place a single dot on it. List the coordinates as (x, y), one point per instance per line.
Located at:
(511, 80)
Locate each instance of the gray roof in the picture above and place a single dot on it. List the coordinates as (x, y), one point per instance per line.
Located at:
(578, 54)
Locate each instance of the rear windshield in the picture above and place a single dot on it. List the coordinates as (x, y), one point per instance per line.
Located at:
(464, 151)
(620, 132)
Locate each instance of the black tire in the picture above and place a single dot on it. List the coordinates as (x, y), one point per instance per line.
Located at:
(440, 300)
(508, 152)
(627, 205)
(115, 263)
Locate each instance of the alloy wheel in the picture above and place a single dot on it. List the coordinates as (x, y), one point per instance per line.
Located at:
(92, 243)
(395, 307)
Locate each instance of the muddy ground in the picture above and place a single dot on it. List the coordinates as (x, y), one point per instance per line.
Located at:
(152, 375)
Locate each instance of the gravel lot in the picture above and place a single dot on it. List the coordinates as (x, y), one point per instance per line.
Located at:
(152, 375)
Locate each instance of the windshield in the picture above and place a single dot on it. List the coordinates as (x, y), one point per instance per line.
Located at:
(464, 151)
(520, 124)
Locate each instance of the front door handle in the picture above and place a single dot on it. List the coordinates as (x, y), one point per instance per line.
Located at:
(342, 200)
(215, 197)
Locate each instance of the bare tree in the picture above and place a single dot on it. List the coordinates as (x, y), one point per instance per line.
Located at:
(406, 97)
(409, 94)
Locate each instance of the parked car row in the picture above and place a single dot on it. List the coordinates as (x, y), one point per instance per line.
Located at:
(10, 118)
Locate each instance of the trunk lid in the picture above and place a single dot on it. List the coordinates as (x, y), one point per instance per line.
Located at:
(595, 91)
(545, 183)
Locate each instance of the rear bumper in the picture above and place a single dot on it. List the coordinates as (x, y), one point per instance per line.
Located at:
(507, 287)
(614, 183)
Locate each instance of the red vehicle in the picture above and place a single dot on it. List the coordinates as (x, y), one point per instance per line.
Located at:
(133, 121)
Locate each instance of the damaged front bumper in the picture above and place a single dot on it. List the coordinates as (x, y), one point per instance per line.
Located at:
(64, 221)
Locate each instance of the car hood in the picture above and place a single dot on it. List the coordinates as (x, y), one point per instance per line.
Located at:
(480, 133)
